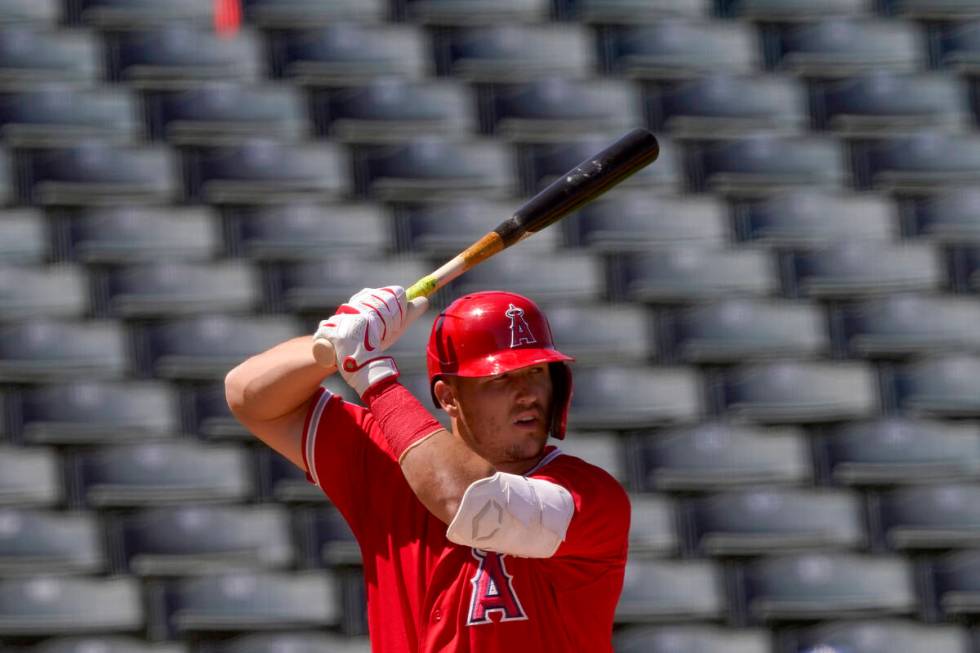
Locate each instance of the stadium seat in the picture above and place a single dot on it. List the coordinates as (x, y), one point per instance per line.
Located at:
(800, 392)
(895, 450)
(880, 636)
(727, 105)
(90, 411)
(956, 584)
(329, 538)
(854, 269)
(284, 482)
(286, 14)
(922, 162)
(761, 165)
(130, 475)
(29, 56)
(30, 477)
(394, 109)
(639, 221)
(42, 606)
(134, 234)
(600, 334)
(966, 262)
(41, 13)
(566, 277)
(167, 288)
(734, 330)
(932, 9)
(604, 12)
(940, 516)
(42, 291)
(134, 14)
(634, 397)
(346, 54)
(514, 53)
(196, 540)
(700, 638)
(94, 172)
(807, 217)
(782, 11)
(841, 47)
(690, 274)
(678, 48)
(24, 239)
(766, 520)
(206, 414)
(670, 591)
(653, 526)
(559, 108)
(944, 386)
(206, 347)
(57, 350)
(34, 541)
(177, 56)
(880, 102)
(472, 12)
(60, 113)
(951, 217)
(599, 448)
(900, 325)
(295, 642)
(251, 601)
(104, 644)
(816, 586)
(714, 456)
(219, 112)
(959, 46)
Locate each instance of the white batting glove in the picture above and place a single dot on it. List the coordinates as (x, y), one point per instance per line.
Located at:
(363, 328)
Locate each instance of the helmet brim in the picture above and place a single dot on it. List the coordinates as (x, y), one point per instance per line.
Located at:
(508, 361)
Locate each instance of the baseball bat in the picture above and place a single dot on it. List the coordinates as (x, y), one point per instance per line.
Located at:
(577, 187)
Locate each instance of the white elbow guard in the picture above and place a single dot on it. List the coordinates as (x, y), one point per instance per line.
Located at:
(512, 514)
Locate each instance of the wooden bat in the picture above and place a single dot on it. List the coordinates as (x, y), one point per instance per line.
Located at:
(577, 187)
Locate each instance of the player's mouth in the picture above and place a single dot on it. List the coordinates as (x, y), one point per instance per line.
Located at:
(528, 419)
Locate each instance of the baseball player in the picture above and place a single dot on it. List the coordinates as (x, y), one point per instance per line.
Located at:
(482, 538)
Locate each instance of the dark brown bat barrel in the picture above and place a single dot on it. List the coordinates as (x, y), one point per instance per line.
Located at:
(582, 184)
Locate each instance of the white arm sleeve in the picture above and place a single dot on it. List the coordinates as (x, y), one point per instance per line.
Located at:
(511, 514)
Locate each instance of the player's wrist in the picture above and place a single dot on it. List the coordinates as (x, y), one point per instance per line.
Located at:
(403, 419)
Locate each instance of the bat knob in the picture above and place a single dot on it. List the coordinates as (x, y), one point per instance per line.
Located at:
(323, 353)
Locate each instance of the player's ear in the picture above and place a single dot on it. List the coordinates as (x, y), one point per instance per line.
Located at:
(446, 395)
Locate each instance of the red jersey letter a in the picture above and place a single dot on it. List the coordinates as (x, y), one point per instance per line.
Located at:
(492, 591)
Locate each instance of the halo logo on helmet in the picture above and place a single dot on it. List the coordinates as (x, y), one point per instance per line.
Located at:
(520, 332)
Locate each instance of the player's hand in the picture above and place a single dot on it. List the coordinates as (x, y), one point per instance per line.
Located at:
(363, 328)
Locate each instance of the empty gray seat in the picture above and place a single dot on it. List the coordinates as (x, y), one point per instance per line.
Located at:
(653, 526)
(104, 644)
(603, 333)
(758, 521)
(951, 216)
(630, 11)
(473, 12)
(882, 636)
(42, 606)
(930, 516)
(922, 162)
(296, 642)
(634, 397)
(34, 541)
(966, 262)
(31, 12)
(956, 584)
(715, 455)
(793, 10)
(891, 451)
(129, 14)
(815, 586)
(946, 386)
(57, 113)
(29, 56)
(670, 591)
(278, 14)
(932, 9)
(959, 45)
(284, 482)
(42, 291)
(600, 448)
(206, 411)
(24, 237)
(30, 477)
(566, 277)
(329, 537)
(699, 638)
(840, 47)
(853, 269)
(50, 350)
(787, 391)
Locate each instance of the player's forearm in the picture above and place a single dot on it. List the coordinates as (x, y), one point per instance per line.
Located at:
(275, 382)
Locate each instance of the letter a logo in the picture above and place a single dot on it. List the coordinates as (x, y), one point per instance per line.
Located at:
(492, 591)
(520, 332)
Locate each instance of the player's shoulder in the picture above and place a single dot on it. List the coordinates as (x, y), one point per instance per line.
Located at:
(580, 476)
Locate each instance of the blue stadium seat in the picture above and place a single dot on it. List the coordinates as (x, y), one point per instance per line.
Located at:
(566, 277)
(702, 638)
(896, 450)
(853, 269)
(30, 477)
(605, 12)
(679, 48)
(90, 411)
(393, 109)
(559, 108)
(135, 14)
(881, 636)
(634, 397)
(608, 333)
(806, 217)
(689, 274)
(180, 55)
(206, 413)
(195, 540)
(639, 221)
(29, 56)
(248, 601)
(218, 112)
(295, 642)
(922, 162)
(43, 606)
(959, 46)
(279, 14)
(57, 350)
(600, 448)
(798, 392)
(59, 113)
(513, 53)
(40, 13)
(944, 386)
(841, 47)
(42, 291)
(723, 105)
(34, 541)
(816, 586)
(206, 347)
(899, 325)
(951, 217)
(792, 10)
(329, 538)
(346, 54)
(670, 591)
(258, 170)
(168, 288)
(433, 168)
(715, 455)
(473, 12)
(104, 644)
(879, 102)
(932, 9)
(24, 237)
(940, 516)
(956, 584)
(134, 234)
(654, 531)
(763, 164)
(129, 475)
(734, 330)
(96, 172)
(767, 520)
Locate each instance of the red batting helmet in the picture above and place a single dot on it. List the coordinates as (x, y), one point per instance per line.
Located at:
(489, 333)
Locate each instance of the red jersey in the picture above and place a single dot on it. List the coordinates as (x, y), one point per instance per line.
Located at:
(426, 594)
